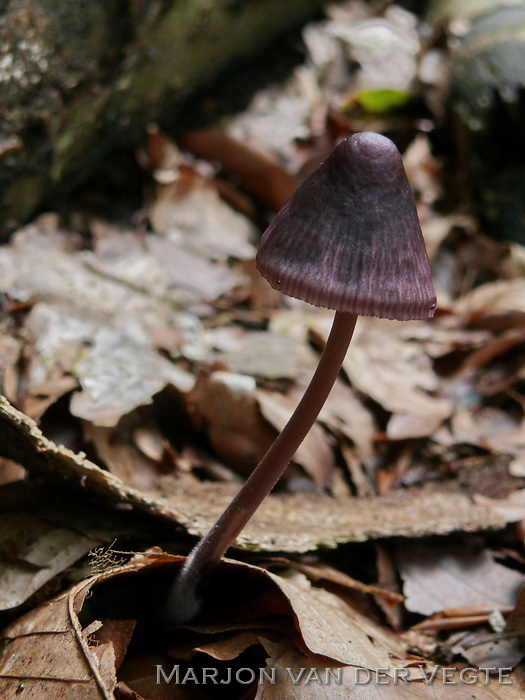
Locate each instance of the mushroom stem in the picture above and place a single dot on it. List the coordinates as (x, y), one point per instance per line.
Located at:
(183, 600)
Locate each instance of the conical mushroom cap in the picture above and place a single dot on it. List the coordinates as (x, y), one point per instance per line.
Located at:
(349, 238)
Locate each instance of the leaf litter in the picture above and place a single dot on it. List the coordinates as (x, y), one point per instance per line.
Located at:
(159, 353)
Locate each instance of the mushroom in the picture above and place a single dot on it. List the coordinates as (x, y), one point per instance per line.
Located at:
(348, 239)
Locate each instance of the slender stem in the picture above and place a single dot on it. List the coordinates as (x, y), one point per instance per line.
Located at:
(183, 602)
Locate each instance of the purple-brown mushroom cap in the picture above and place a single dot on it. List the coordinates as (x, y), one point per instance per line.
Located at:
(349, 237)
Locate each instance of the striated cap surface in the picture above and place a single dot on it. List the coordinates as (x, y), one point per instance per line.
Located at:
(349, 238)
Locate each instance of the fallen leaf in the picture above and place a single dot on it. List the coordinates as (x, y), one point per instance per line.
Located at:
(121, 456)
(393, 371)
(42, 551)
(230, 646)
(46, 654)
(120, 371)
(385, 49)
(37, 266)
(259, 354)
(325, 625)
(10, 349)
(274, 119)
(227, 404)
(256, 170)
(298, 676)
(344, 412)
(43, 532)
(314, 454)
(492, 298)
(325, 573)
(190, 213)
(490, 428)
(440, 576)
(482, 650)
(191, 277)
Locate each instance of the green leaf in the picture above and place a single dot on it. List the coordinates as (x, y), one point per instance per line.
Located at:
(384, 100)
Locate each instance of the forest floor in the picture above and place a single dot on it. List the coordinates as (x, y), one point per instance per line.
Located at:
(146, 367)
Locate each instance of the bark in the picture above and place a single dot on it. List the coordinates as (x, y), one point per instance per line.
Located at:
(78, 77)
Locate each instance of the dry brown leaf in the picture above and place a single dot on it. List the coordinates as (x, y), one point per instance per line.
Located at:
(120, 456)
(259, 354)
(191, 278)
(10, 349)
(120, 371)
(43, 532)
(395, 372)
(344, 412)
(230, 646)
(45, 654)
(383, 364)
(499, 297)
(301, 678)
(494, 347)
(95, 324)
(314, 453)
(331, 629)
(516, 619)
(444, 335)
(115, 634)
(487, 650)
(227, 403)
(440, 576)
(275, 119)
(515, 690)
(385, 48)
(39, 552)
(190, 213)
(326, 626)
(256, 170)
(489, 428)
(325, 573)
(39, 266)
(10, 471)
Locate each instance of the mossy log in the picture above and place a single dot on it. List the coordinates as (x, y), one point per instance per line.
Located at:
(78, 77)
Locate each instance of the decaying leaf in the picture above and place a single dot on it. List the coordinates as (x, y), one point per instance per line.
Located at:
(190, 213)
(442, 576)
(46, 654)
(494, 298)
(259, 354)
(321, 623)
(255, 169)
(121, 456)
(120, 371)
(299, 676)
(227, 404)
(191, 278)
(43, 532)
(33, 551)
(9, 356)
(395, 373)
(343, 411)
(98, 320)
(38, 266)
(488, 428)
(315, 453)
